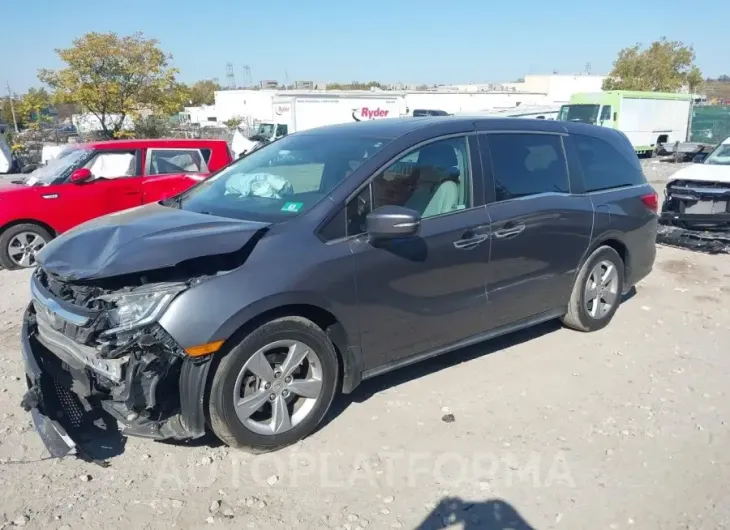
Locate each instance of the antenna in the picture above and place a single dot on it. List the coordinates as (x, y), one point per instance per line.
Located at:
(230, 76)
(286, 78)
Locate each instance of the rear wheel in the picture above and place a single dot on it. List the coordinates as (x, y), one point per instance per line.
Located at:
(20, 244)
(275, 387)
(597, 291)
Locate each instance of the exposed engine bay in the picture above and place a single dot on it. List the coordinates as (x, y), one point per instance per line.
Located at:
(101, 349)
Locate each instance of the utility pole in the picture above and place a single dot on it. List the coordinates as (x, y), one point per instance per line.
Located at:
(12, 108)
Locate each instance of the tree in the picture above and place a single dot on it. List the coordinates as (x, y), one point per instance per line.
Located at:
(203, 92)
(665, 66)
(355, 85)
(33, 107)
(114, 77)
(152, 127)
(233, 122)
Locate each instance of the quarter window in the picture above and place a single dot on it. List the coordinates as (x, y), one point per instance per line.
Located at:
(604, 167)
(432, 180)
(527, 164)
(170, 161)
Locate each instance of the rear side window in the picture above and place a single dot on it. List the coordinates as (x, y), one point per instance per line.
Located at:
(172, 161)
(206, 154)
(527, 164)
(605, 167)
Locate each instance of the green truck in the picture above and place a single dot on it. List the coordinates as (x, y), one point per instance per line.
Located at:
(648, 119)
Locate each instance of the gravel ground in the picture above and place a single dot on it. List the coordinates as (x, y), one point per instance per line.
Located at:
(551, 428)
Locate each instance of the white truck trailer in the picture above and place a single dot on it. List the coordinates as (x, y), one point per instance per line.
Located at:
(649, 119)
(293, 113)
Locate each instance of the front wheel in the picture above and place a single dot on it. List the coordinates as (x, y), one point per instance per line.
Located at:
(20, 244)
(275, 387)
(597, 291)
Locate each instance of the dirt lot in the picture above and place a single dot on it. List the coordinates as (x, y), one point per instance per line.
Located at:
(625, 428)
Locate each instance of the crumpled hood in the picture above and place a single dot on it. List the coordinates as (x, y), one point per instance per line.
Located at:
(703, 172)
(142, 239)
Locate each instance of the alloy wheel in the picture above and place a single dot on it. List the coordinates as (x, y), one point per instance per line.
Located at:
(278, 387)
(601, 290)
(24, 247)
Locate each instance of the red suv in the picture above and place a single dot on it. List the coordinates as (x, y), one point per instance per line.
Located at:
(89, 180)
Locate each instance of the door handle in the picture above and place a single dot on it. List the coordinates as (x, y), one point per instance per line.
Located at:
(470, 242)
(509, 232)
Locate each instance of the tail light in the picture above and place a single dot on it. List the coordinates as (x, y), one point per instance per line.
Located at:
(651, 201)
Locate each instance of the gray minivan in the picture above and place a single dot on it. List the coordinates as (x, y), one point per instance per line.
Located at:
(244, 305)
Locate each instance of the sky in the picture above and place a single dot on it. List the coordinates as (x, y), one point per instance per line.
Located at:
(409, 41)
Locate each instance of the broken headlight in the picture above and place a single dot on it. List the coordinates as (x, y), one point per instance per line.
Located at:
(139, 307)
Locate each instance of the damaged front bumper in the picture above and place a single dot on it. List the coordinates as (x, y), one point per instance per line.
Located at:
(696, 205)
(74, 403)
(696, 216)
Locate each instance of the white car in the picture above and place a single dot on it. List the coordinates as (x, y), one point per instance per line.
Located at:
(697, 196)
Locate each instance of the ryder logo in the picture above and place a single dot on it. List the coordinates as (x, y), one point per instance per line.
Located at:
(366, 113)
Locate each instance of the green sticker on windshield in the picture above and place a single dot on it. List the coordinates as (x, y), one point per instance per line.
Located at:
(293, 207)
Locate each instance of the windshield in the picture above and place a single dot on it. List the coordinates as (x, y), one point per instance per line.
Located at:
(581, 113)
(265, 129)
(720, 156)
(283, 179)
(67, 159)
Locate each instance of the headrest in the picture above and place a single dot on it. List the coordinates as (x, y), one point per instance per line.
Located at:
(439, 154)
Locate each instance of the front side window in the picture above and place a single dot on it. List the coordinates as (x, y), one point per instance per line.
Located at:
(281, 130)
(527, 164)
(113, 165)
(604, 167)
(282, 179)
(606, 113)
(432, 180)
(175, 161)
(58, 168)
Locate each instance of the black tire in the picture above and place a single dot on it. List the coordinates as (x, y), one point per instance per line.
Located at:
(578, 317)
(223, 419)
(7, 236)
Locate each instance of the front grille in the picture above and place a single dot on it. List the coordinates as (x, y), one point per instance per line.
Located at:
(69, 404)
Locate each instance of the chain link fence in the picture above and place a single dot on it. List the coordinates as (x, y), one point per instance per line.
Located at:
(710, 124)
(28, 144)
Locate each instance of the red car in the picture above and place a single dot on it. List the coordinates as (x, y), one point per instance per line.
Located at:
(89, 180)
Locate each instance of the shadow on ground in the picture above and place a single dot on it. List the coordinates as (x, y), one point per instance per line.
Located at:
(369, 388)
(493, 514)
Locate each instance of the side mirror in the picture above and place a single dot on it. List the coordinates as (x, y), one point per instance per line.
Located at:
(390, 222)
(699, 158)
(81, 175)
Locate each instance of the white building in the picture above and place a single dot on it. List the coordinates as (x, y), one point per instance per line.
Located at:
(254, 106)
(251, 105)
(459, 102)
(559, 87)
